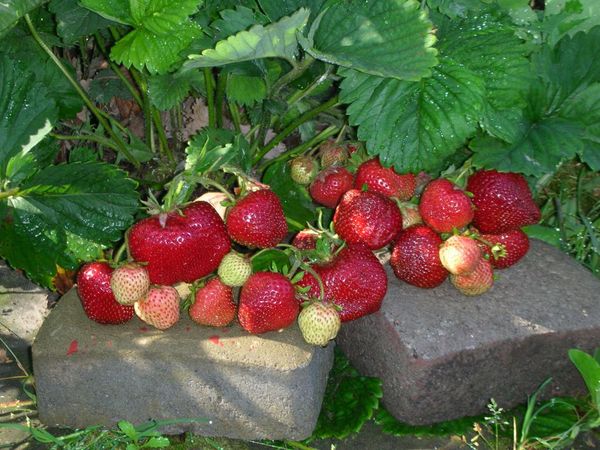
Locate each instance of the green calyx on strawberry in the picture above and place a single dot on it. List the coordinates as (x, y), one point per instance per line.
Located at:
(96, 295)
(257, 220)
(234, 269)
(267, 303)
(367, 218)
(304, 169)
(129, 283)
(319, 322)
(213, 304)
(445, 207)
(505, 249)
(385, 181)
(171, 243)
(159, 308)
(460, 255)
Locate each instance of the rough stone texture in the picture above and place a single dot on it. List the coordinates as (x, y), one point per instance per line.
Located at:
(442, 355)
(249, 387)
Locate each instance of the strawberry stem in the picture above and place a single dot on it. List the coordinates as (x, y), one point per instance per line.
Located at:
(310, 270)
(117, 256)
(206, 182)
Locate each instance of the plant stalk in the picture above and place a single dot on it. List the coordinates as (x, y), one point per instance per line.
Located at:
(91, 137)
(209, 82)
(219, 97)
(10, 193)
(88, 102)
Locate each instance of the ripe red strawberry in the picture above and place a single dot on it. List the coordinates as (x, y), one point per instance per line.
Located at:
(303, 169)
(130, 283)
(503, 201)
(460, 255)
(213, 305)
(477, 282)
(257, 220)
(319, 323)
(97, 298)
(332, 154)
(385, 181)
(367, 218)
(330, 185)
(444, 206)
(189, 246)
(355, 280)
(306, 239)
(516, 245)
(416, 257)
(267, 303)
(159, 308)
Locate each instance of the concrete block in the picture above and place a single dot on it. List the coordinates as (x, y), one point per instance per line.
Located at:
(245, 386)
(442, 355)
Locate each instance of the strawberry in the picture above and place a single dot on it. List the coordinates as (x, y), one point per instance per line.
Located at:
(213, 305)
(416, 257)
(444, 206)
(330, 185)
(410, 214)
(303, 169)
(159, 308)
(189, 246)
(460, 255)
(354, 280)
(367, 218)
(306, 239)
(385, 181)
(515, 245)
(234, 269)
(97, 298)
(267, 303)
(130, 283)
(332, 154)
(257, 220)
(503, 201)
(477, 282)
(319, 323)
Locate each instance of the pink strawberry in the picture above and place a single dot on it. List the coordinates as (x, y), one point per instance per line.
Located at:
(330, 185)
(477, 282)
(410, 214)
(189, 246)
(332, 154)
(257, 220)
(460, 255)
(416, 257)
(445, 207)
(130, 283)
(367, 218)
(354, 280)
(385, 181)
(97, 298)
(213, 305)
(306, 239)
(515, 246)
(160, 307)
(503, 201)
(267, 303)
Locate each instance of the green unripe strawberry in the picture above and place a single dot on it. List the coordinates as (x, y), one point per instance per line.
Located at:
(234, 269)
(332, 154)
(303, 169)
(130, 283)
(319, 323)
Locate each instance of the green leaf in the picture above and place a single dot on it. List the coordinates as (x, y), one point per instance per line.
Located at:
(457, 8)
(65, 214)
(350, 400)
(298, 207)
(73, 21)
(390, 425)
(589, 369)
(115, 10)
(233, 21)
(83, 154)
(128, 429)
(263, 261)
(544, 233)
(562, 17)
(105, 85)
(393, 38)
(169, 90)
(246, 89)
(25, 109)
(554, 417)
(157, 442)
(414, 125)
(13, 10)
(212, 148)
(276, 9)
(277, 40)
(26, 163)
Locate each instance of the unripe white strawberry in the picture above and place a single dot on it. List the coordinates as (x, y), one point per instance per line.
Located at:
(319, 323)
(410, 214)
(130, 283)
(477, 282)
(234, 269)
(159, 308)
(303, 169)
(460, 255)
(332, 154)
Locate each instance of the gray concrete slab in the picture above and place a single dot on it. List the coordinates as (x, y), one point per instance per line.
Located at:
(442, 355)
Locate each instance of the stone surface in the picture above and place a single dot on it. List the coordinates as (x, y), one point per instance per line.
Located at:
(442, 355)
(248, 387)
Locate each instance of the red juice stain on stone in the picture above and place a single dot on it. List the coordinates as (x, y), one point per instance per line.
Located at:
(109, 344)
(225, 330)
(72, 347)
(187, 328)
(143, 329)
(215, 340)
